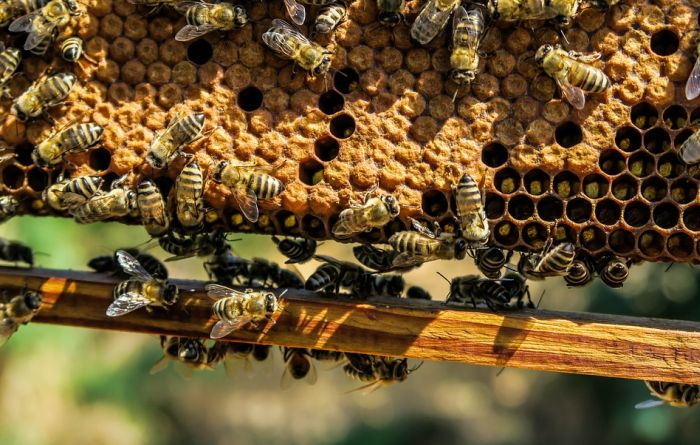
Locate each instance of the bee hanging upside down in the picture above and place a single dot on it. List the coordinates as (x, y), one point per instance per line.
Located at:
(679, 395)
(374, 213)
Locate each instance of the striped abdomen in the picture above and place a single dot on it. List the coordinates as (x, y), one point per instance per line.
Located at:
(154, 214)
(490, 261)
(587, 77)
(324, 276)
(297, 250)
(9, 59)
(28, 6)
(72, 49)
(197, 15)
(557, 261)
(188, 196)
(227, 309)
(187, 129)
(42, 47)
(80, 136)
(373, 257)
(467, 196)
(54, 89)
(83, 185)
(614, 272)
(414, 243)
(127, 286)
(264, 186)
(579, 274)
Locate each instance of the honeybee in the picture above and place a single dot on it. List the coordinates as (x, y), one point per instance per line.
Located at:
(41, 23)
(116, 203)
(517, 288)
(375, 212)
(72, 49)
(70, 193)
(491, 261)
(474, 227)
(140, 290)
(9, 9)
(180, 132)
(477, 289)
(571, 72)
(298, 250)
(298, 366)
(290, 43)
(680, 395)
(19, 310)
(9, 60)
(689, 150)
(613, 271)
(8, 208)
(334, 273)
(325, 355)
(329, 17)
(431, 19)
(468, 27)
(370, 285)
(377, 259)
(425, 245)
(377, 371)
(234, 309)
(580, 273)
(248, 184)
(16, 252)
(201, 244)
(515, 10)
(192, 352)
(154, 214)
(204, 17)
(263, 273)
(72, 139)
(552, 263)
(226, 268)
(390, 12)
(110, 264)
(189, 189)
(42, 94)
(418, 293)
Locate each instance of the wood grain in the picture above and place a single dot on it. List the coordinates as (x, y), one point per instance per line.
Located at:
(582, 343)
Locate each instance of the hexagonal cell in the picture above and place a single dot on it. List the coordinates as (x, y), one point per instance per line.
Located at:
(670, 165)
(637, 214)
(495, 206)
(621, 241)
(641, 164)
(563, 234)
(199, 52)
(579, 210)
(550, 208)
(37, 179)
(434, 203)
(100, 159)
(644, 115)
(566, 184)
(691, 218)
(592, 238)
(595, 186)
(448, 224)
(310, 171)
(505, 233)
(684, 191)
(664, 42)
(651, 243)
(680, 245)
(537, 182)
(287, 222)
(264, 224)
(326, 148)
(250, 98)
(675, 117)
(521, 207)
(393, 227)
(624, 187)
(331, 102)
(666, 215)
(342, 126)
(654, 189)
(313, 226)
(494, 154)
(13, 177)
(657, 140)
(568, 134)
(628, 139)
(507, 180)
(611, 162)
(535, 235)
(23, 153)
(346, 80)
(608, 212)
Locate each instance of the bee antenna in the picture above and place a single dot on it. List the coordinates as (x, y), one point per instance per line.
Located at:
(283, 292)
(500, 371)
(540, 300)
(415, 368)
(445, 278)
(454, 96)
(669, 267)
(564, 36)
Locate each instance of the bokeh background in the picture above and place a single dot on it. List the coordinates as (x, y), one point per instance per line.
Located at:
(61, 385)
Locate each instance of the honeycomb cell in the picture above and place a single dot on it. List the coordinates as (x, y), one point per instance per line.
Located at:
(566, 184)
(12, 177)
(494, 155)
(680, 245)
(37, 179)
(651, 243)
(564, 233)
(495, 205)
(331, 102)
(675, 117)
(641, 164)
(326, 148)
(568, 134)
(579, 210)
(595, 186)
(550, 208)
(535, 235)
(657, 140)
(666, 215)
(654, 189)
(608, 212)
(621, 241)
(536, 182)
(691, 218)
(287, 222)
(624, 187)
(434, 203)
(100, 159)
(670, 165)
(310, 172)
(611, 162)
(346, 80)
(664, 42)
(507, 180)
(521, 207)
(199, 52)
(505, 233)
(592, 238)
(628, 139)
(342, 126)
(684, 191)
(23, 153)
(637, 214)
(644, 115)
(250, 98)
(313, 227)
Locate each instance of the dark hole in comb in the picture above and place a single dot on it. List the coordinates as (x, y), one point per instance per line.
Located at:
(621, 241)
(494, 155)
(100, 159)
(666, 215)
(326, 148)
(495, 206)
(331, 102)
(250, 98)
(550, 208)
(37, 179)
(644, 115)
(434, 203)
(12, 177)
(637, 214)
(651, 243)
(346, 80)
(342, 126)
(579, 210)
(23, 153)
(199, 52)
(664, 42)
(310, 172)
(628, 139)
(607, 212)
(568, 134)
(521, 207)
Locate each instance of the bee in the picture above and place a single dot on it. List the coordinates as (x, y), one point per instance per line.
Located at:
(692, 86)
(572, 73)
(426, 245)
(234, 309)
(390, 12)
(516, 10)
(41, 23)
(180, 132)
(418, 293)
(72, 49)
(689, 150)
(8, 208)
(491, 261)
(477, 289)
(9, 61)
(613, 271)
(298, 366)
(375, 212)
(200, 244)
(110, 264)
(370, 285)
(261, 352)
(15, 252)
(248, 184)
(290, 43)
(226, 268)
(154, 214)
(325, 355)
(116, 203)
(580, 273)
(77, 191)
(377, 259)
(43, 46)
(141, 290)
(377, 371)
(431, 19)
(680, 395)
(552, 263)
(329, 17)
(517, 288)
(19, 310)
(9, 9)
(472, 218)
(42, 94)
(334, 273)
(262, 273)
(298, 250)
(468, 27)
(75, 138)
(189, 188)
(192, 352)
(203, 17)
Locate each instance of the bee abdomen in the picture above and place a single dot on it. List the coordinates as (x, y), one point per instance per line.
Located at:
(589, 78)
(409, 242)
(557, 261)
(265, 186)
(614, 272)
(81, 135)
(579, 274)
(324, 276)
(57, 87)
(85, 186)
(127, 286)
(72, 49)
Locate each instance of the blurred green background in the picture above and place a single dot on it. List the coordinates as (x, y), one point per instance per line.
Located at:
(63, 385)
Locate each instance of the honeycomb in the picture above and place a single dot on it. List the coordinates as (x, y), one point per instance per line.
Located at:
(607, 177)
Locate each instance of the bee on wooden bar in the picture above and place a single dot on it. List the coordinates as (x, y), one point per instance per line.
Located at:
(554, 262)
(226, 268)
(326, 356)
(41, 95)
(329, 17)
(19, 310)
(189, 189)
(374, 213)
(200, 244)
(377, 371)
(390, 12)
(468, 27)
(110, 264)
(16, 252)
(370, 285)
(378, 259)
(572, 73)
(298, 366)
(298, 250)
(418, 293)
(9, 61)
(613, 270)
(180, 132)
(680, 395)
(234, 309)
(562, 11)
(8, 208)
(491, 261)
(334, 273)
(290, 43)
(203, 17)
(477, 290)
(425, 245)
(517, 288)
(474, 227)
(432, 19)
(689, 150)
(192, 352)
(118, 202)
(75, 138)
(154, 213)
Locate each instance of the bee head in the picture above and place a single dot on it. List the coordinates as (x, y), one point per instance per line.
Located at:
(218, 171)
(131, 202)
(391, 204)
(270, 303)
(461, 77)
(542, 53)
(154, 160)
(395, 286)
(188, 350)
(324, 66)
(241, 15)
(460, 248)
(390, 19)
(73, 7)
(400, 370)
(170, 294)
(32, 300)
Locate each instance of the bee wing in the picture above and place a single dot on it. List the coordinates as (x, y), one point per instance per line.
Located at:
(406, 259)
(422, 229)
(460, 13)
(223, 328)
(182, 7)
(692, 87)
(6, 156)
(247, 202)
(217, 292)
(24, 23)
(72, 200)
(296, 11)
(651, 403)
(341, 230)
(160, 365)
(312, 376)
(284, 46)
(190, 32)
(327, 259)
(573, 94)
(132, 266)
(433, 20)
(41, 29)
(126, 303)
